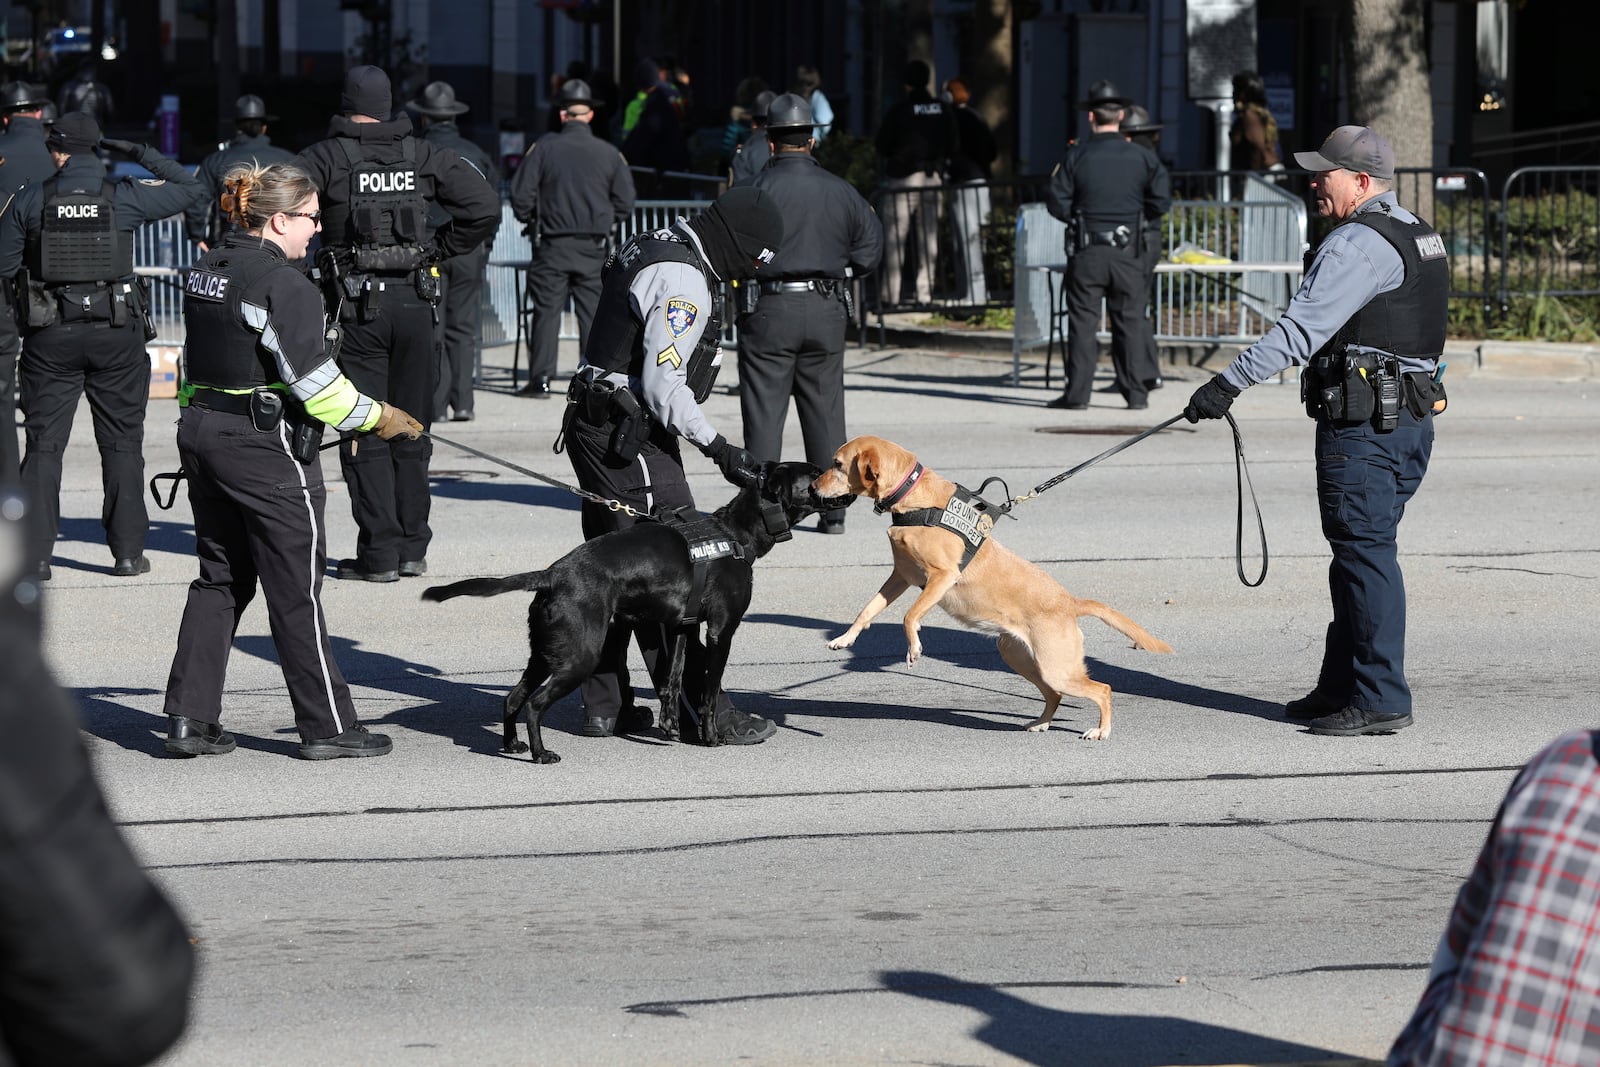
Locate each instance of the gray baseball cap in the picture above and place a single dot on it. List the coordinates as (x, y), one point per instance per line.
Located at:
(1358, 148)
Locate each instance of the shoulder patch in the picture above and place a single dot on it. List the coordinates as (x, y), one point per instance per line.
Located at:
(152, 181)
(681, 316)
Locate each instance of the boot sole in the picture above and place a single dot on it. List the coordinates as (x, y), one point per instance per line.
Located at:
(1387, 727)
(335, 752)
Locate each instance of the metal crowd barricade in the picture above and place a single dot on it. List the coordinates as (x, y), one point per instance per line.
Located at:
(1549, 233)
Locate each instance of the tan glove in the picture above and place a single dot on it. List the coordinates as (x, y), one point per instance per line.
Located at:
(396, 423)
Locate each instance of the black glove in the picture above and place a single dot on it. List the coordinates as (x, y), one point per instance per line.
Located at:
(738, 466)
(131, 149)
(1212, 400)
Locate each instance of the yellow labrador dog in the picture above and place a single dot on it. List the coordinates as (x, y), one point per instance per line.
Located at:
(998, 592)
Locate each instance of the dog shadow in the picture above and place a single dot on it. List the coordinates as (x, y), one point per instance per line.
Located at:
(884, 645)
(1051, 1037)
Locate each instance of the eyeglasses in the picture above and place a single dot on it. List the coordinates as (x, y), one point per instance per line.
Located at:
(314, 216)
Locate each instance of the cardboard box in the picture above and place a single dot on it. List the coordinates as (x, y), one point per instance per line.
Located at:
(163, 371)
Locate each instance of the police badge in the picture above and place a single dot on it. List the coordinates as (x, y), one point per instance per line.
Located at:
(681, 316)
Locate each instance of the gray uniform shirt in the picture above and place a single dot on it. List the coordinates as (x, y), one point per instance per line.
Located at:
(1353, 264)
(672, 301)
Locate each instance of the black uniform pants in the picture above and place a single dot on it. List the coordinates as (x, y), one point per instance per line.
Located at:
(654, 478)
(462, 278)
(10, 348)
(1117, 276)
(562, 266)
(793, 345)
(257, 517)
(108, 364)
(1141, 367)
(392, 358)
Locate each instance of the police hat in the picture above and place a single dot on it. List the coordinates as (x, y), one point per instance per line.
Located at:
(1136, 119)
(20, 96)
(1103, 93)
(789, 112)
(575, 91)
(438, 101)
(74, 132)
(1355, 148)
(250, 106)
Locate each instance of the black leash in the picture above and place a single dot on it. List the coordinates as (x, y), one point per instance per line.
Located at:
(1241, 478)
(613, 505)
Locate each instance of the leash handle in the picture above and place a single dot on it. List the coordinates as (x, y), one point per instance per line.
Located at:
(1241, 475)
(172, 498)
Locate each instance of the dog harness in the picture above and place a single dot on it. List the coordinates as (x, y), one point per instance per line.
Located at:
(966, 515)
(707, 540)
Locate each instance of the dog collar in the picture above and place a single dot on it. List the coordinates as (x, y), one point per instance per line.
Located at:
(898, 495)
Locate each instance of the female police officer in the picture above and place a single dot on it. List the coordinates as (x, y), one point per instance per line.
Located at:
(261, 382)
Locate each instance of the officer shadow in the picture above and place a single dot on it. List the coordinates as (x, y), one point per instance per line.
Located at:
(145, 732)
(1052, 1037)
(165, 536)
(883, 645)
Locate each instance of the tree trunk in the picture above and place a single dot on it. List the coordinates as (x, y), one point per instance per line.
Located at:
(991, 65)
(1389, 85)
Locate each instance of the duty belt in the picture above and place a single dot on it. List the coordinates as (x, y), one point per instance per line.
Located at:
(819, 285)
(217, 400)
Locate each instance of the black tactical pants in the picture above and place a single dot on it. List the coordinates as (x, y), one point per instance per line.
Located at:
(562, 266)
(393, 358)
(108, 364)
(653, 479)
(462, 278)
(1141, 367)
(258, 516)
(793, 345)
(1116, 275)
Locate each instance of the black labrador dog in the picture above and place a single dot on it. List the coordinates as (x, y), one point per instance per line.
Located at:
(644, 574)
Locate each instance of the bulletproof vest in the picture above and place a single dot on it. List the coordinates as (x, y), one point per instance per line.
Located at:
(616, 339)
(78, 237)
(1410, 320)
(220, 350)
(388, 221)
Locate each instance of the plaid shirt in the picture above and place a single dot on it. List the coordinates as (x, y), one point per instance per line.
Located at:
(1517, 976)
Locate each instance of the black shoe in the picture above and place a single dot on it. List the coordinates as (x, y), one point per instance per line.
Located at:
(1112, 388)
(413, 568)
(1152, 384)
(1353, 722)
(1138, 405)
(190, 737)
(1314, 705)
(1061, 403)
(633, 720)
(734, 727)
(351, 569)
(538, 388)
(356, 741)
(461, 416)
(127, 568)
(831, 526)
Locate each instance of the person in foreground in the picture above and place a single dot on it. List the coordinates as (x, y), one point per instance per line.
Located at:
(1367, 326)
(260, 383)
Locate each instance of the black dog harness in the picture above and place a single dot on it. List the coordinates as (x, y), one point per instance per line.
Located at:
(707, 540)
(967, 515)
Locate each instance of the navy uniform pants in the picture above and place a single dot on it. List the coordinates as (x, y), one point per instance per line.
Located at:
(109, 365)
(1364, 479)
(792, 344)
(655, 478)
(562, 266)
(462, 282)
(394, 358)
(1116, 275)
(258, 517)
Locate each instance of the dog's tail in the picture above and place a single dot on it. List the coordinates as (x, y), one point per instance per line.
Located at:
(1123, 625)
(528, 581)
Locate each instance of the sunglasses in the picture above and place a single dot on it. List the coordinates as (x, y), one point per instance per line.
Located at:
(314, 216)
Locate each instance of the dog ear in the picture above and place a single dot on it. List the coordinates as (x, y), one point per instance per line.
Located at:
(867, 466)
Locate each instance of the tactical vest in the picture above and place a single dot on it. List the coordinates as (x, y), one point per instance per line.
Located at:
(1410, 320)
(220, 350)
(388, 222)
(616, 341)
(78, 237)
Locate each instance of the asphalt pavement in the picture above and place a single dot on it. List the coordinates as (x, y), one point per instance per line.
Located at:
(902, 875)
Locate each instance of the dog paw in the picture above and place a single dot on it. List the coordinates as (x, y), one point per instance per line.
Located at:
(843, 641)
(546, 757)
(1097, 734)
(913, 654)
(1037, 726)
(515, 748)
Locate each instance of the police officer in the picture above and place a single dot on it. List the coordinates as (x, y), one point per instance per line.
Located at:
(260, 383)
(753, 154)
(649, 364)
(462, 276)
(1103, 190)
(1144, 366)
(84, 323)
(250, 144)
(793, 338)
(381, 279)
(23, 159)
(1368, 326)
(914, 144)
(570, 190)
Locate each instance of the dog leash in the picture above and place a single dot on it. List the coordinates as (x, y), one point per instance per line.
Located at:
(608, 504)
(1241, 479)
